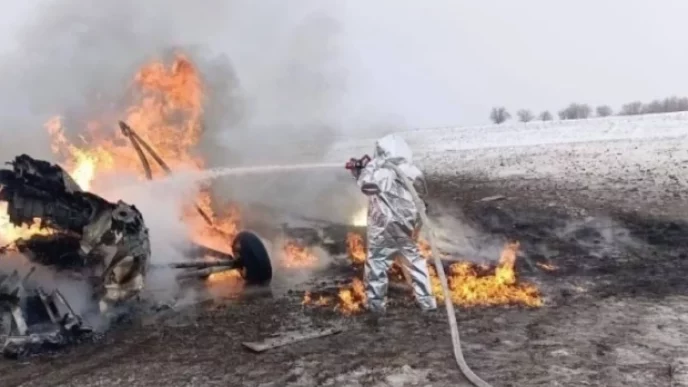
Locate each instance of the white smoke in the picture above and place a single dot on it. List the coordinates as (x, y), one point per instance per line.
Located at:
(455, 237)
(161, 203)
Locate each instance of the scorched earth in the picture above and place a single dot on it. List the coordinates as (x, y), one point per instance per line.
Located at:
(567, 264)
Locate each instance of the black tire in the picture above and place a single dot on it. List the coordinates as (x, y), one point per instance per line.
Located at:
(253, 258)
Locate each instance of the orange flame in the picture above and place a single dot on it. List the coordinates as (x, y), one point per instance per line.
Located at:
(298, 256)
(222, 276)
(356, 248)
(318, 301)
(470, 287)
(10, 233)
(352, 299)
(166, 113)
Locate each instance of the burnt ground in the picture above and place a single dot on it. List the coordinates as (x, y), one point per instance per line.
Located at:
(614, 314)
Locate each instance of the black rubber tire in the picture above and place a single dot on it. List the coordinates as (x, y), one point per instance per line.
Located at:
(254, 261)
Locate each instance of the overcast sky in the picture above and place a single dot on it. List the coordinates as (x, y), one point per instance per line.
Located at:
(447, 62)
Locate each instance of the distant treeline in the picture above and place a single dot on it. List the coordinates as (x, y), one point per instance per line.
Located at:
(577, 111)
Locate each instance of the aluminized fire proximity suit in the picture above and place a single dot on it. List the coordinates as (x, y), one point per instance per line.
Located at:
(393, 223)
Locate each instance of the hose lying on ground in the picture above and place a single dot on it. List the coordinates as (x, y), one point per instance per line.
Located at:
(451, 315)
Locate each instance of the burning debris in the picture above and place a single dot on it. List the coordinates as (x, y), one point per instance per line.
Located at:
(356, 247)
(473, 285)
(298, 256)
(108, 240)
(352, 298)
(64, 227)
(349, 300)
(108, 243)
(56, 219)
(470, 284)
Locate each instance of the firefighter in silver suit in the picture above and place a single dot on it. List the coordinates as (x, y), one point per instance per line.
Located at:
(393, 223)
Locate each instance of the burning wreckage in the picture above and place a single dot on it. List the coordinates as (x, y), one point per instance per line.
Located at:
(106, 243)
(86, 233)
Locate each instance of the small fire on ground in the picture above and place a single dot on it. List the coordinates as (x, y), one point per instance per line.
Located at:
(297, 256)
(349, 300)
(469, 284)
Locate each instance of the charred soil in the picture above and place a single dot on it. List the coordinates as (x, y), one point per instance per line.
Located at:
(611, 267)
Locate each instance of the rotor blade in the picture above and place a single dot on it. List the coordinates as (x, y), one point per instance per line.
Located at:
(126, 130)
(137, 142)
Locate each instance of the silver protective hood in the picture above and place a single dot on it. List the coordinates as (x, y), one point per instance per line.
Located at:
(394, 149)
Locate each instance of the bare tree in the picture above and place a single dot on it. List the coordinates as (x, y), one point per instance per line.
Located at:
(675, 104)
(575, 111)
(525, 115)
(632, 109)
(656, 106)
(546, 116)
(667, 105)
(683, 105)
(499, 114)
(604, 111)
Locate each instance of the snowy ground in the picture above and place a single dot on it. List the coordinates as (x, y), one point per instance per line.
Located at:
(601, 199)
(600, 147)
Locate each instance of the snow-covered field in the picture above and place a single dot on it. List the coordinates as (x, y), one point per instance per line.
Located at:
(610, 147)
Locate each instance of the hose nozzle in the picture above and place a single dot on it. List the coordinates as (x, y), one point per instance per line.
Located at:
(357, 164)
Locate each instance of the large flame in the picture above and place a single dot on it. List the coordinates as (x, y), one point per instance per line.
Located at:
(472, 285)
(167, 112)
(469, 284)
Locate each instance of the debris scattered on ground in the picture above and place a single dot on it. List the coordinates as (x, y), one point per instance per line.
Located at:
(69, 228)
(492, 198)
(31, 319)
(290, 338)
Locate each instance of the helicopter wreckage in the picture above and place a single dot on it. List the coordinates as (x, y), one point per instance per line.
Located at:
(106, 243)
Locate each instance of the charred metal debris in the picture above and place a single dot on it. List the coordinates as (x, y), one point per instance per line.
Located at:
(106, 243)
(32, 320)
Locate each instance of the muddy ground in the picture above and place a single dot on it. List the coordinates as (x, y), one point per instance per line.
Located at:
(615, 310)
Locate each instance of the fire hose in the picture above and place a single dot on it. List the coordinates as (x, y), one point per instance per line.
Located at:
(451, 315)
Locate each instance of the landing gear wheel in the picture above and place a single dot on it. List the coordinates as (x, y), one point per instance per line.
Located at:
(252, 258)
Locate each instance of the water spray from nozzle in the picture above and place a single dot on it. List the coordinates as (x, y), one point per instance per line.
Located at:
(182, 178)
(215, 173)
